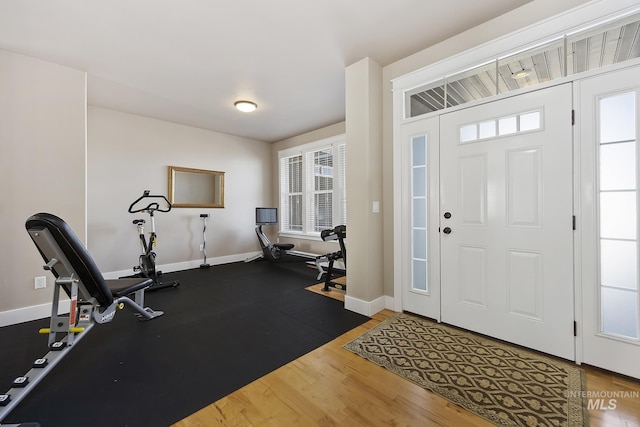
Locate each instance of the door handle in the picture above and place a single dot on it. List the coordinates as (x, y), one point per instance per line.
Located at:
(447, 230)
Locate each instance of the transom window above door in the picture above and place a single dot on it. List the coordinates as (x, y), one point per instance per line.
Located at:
(577, 51)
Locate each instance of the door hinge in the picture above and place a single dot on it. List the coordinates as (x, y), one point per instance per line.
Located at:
(574, 222)
(573, 117)
(575, 328)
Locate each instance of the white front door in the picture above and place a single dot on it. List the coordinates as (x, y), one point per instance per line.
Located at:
(506, 215)
(609, 123)
(420, 250)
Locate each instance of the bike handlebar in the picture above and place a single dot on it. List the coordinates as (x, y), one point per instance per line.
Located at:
(152, 206)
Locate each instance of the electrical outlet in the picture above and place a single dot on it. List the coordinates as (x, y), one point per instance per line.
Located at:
(201, 247)
(41, 282)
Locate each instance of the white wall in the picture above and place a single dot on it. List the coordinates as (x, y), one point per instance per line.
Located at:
(128, 154)
(42, 159)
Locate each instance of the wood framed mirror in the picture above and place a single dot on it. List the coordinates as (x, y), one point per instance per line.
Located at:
(196, 188)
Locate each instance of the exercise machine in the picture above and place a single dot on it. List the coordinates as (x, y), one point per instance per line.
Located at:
(204, 241)
(283, 252)
(338, 233)
(93, 300)
(274, 252)
(149, 204)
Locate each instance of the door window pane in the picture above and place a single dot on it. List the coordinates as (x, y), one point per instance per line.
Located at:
(419, 181)
(507, 125)
(420, 212)
(617, 118)
(530, 121)
(468, 133)
(618, 215)
(420, 243)
(419, 275)
(618, 264)
(619, 312)
(618, 166)
(418, 148)
(488, 129)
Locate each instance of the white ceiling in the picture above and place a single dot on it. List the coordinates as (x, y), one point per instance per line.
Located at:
(187, 61)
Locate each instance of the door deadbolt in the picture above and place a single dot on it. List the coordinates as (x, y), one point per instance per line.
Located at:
(447, 215)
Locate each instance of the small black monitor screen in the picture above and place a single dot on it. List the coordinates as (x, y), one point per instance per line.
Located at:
(266, 216)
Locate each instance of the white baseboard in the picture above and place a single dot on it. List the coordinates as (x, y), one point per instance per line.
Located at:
(185, 265)
(390, 303)
(35, 312)
(41, 311)
(368, 308)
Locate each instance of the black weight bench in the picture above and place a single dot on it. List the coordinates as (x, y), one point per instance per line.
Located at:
(92, 299)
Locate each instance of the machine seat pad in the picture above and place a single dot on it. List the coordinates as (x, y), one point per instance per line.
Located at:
(284, 246)
(123, 287)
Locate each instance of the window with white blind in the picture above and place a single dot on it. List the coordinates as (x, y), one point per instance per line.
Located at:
(312, 186)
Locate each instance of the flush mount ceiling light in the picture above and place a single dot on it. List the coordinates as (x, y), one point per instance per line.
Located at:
(521, 74)
(245, 106)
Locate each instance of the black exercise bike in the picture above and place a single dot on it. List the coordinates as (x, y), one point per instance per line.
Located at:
(147, 261)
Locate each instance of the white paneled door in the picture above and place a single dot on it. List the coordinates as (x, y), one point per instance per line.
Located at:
(506, 219)
(609, 119)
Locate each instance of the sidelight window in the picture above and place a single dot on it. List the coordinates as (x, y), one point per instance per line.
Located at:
(618, 215)
(419, 218)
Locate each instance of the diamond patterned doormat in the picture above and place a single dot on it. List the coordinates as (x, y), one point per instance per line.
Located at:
(506, 385)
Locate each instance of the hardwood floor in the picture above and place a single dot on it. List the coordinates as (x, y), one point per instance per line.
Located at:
(333, 387)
